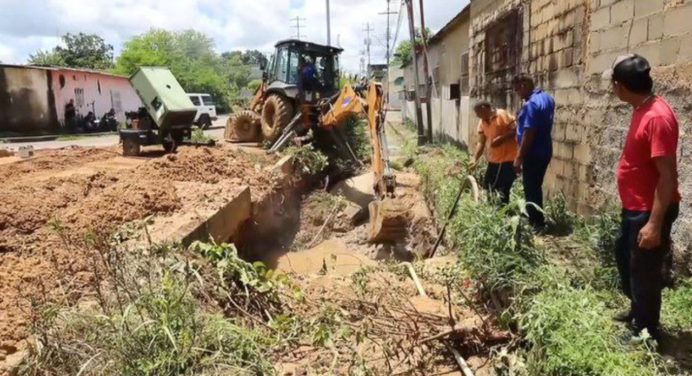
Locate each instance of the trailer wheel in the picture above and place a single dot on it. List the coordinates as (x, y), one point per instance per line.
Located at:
(169, 143)
(131, 148)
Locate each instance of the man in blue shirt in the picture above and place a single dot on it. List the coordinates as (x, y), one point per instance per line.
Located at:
(534, 128)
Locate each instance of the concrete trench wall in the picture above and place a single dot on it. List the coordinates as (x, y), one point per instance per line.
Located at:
(566, 45)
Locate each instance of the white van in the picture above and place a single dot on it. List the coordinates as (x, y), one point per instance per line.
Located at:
(206, 109)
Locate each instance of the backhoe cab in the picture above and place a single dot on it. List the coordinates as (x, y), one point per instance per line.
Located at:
(297, 77)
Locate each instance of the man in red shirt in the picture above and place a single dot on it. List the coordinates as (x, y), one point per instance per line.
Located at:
(648, 186)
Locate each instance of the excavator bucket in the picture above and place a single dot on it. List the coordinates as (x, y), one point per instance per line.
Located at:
(389, 221)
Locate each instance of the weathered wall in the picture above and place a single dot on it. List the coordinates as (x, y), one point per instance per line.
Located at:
(661, 31)
(25, 101)
(101, 93)
(395, 87)
(566, 45)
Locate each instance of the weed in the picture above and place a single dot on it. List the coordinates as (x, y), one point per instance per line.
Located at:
(155, 327)
(361, 278)
(677, 307)
(307, 159)
(199, 137)
(561, 219)
(572, 334)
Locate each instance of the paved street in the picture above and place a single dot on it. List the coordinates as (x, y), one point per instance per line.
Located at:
(104, 141)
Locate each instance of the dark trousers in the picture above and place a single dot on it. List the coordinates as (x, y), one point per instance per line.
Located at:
(499, 178)
(534, 169)
(642, 271)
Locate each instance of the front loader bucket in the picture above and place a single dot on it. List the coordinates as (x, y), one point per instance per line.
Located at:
(389, 221)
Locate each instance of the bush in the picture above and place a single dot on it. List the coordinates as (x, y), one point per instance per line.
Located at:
(308, 160)
(561, 312)
(572, 333)
(153, 331)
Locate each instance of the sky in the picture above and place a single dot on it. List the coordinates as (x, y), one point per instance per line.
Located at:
(30, 25)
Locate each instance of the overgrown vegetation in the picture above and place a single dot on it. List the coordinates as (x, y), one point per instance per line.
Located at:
(307, 159)
(559, 294)
(199, 137)
(150, 316)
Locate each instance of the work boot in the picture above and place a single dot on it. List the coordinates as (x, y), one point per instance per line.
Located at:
(624, 316)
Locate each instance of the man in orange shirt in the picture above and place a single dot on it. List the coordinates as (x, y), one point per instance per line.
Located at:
(498, 129)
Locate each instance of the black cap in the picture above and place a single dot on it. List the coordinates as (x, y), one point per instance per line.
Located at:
(633, 71)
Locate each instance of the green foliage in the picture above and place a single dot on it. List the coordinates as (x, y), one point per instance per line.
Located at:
(361, 278)
(573, 334)
(403, 53)
(676, 312)
(254, 85)
(495, 244)
(49, 58)
(199, 137)
(80, 51)
(307, 159)
(560, 311)
(191, 57)
(159, 330)
(559, 216)
(260, 285)
(358, 138)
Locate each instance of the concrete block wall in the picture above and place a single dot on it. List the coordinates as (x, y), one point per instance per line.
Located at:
(566, 46)
(661, 31)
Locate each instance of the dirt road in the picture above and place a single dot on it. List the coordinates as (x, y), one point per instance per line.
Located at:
(216, 131)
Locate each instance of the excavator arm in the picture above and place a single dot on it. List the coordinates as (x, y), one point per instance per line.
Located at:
(389, 218)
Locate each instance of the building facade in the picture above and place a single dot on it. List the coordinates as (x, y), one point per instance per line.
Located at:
(566, 45)
(448, 52)
(33, 99)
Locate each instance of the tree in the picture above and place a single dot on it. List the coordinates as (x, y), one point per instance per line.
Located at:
(79, 51)
(403, 53)
(42, 57)
(191, 58)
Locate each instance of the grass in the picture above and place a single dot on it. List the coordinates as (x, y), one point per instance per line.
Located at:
(153, 320)
(558, 294)
(677, 307)
(199, 137)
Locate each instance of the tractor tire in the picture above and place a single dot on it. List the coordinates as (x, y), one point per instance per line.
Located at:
(276, 113)
(243, 127)
(204, 122)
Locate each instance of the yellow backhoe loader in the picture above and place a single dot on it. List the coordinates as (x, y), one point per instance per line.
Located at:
(287, 105)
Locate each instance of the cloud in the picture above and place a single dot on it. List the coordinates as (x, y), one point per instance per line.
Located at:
(29, 25)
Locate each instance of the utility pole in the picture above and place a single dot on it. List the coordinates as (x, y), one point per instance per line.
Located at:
(298, 20)
(428, 92)
(368, 29)
(389, 33)
(419, 112)
(389, 37)
(329, 26)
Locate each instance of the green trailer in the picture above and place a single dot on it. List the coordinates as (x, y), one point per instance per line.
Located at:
(167, 115)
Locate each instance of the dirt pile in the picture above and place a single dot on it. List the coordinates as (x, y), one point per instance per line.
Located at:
(52, 202)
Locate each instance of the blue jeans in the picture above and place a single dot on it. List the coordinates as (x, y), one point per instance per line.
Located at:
(534, 169)
(642, 271)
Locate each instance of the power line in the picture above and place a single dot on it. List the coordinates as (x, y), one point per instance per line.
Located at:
(297, 21)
